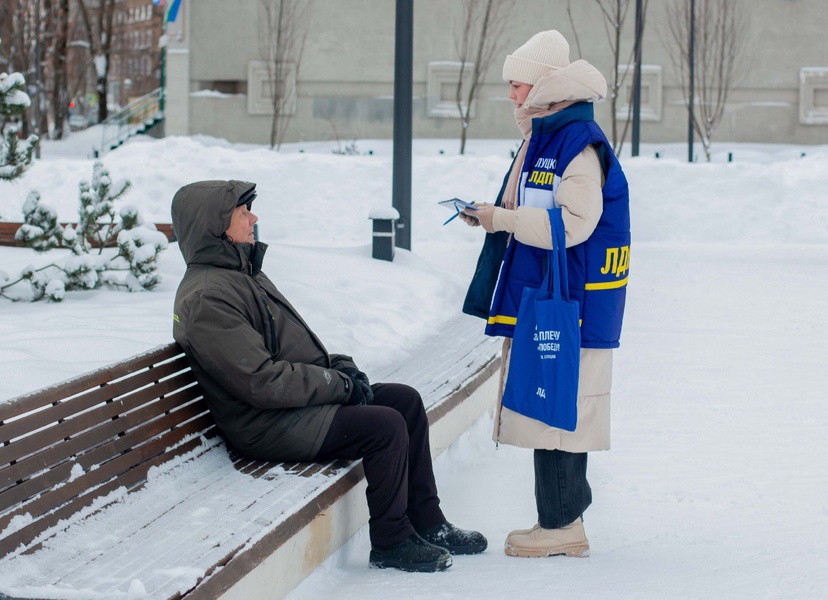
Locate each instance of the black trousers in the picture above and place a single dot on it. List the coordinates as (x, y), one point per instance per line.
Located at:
(391, 437)
(562, 491)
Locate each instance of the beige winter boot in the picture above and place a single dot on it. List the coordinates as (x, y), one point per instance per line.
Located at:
(539, 542)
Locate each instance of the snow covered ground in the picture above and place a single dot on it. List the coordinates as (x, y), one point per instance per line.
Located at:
(717, 484)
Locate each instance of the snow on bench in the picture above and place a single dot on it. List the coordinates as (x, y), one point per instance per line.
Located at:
(115, 484)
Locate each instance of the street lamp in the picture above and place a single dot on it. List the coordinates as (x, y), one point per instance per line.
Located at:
(692, 81)
(636, 124)
(403, 70)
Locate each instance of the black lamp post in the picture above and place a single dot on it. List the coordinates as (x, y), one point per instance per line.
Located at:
(636, 121)
(692, 81)
(403, 70)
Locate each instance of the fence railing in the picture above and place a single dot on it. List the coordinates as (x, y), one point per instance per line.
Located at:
(136, 117)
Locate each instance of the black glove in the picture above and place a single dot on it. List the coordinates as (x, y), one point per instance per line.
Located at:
(356, 375)
(362, 392)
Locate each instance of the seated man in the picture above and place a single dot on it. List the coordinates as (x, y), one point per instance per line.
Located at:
(276, 394)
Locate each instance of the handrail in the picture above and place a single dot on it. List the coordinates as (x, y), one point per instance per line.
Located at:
(131, 119)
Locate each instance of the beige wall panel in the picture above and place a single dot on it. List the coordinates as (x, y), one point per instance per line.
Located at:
(345, 83)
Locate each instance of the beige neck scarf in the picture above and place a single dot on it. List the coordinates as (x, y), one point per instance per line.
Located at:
(524, 116)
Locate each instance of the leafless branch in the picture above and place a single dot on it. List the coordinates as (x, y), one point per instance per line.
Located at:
(282, 34)
(721, 28)
(478, 37)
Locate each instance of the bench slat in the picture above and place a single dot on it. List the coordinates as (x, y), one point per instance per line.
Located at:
(201, 542)
(132, 480)
(115, 473)
(99, 464)
(58, 453)
(55, 393)
(125, 407)
(58, 410)
(191, 546)
(9, 229)
(115, 438)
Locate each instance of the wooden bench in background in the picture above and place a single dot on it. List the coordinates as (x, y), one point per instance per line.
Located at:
(85, 454)
(7, 231)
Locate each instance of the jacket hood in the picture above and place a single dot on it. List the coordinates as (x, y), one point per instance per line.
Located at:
(577, 82)
(201, 213)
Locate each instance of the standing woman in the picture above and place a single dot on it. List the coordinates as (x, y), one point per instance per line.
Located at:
(566, 163)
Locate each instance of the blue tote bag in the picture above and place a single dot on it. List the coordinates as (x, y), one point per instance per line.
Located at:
(546, 346)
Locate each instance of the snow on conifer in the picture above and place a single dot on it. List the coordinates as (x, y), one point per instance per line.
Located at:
(40, 230)
(134, 267)
(98, 221)
(15, 154)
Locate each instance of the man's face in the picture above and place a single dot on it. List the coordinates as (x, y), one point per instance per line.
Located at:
(241, 225)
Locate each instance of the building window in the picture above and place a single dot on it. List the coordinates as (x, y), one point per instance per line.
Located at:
(228, 87)
(813, 96)
(441, 89)
(259, 88)
(651, 92)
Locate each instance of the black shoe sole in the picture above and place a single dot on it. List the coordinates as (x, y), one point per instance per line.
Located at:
(463, 549)
(440, 564)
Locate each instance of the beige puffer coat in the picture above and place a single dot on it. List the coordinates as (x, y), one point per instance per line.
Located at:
(579, 195)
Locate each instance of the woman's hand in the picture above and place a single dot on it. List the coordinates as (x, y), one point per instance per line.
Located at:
(481, 216)
(469, 220)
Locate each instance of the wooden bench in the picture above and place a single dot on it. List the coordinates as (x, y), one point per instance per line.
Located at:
(128, 456)
(8, 230)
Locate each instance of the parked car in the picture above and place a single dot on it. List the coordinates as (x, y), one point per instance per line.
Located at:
(77, 122)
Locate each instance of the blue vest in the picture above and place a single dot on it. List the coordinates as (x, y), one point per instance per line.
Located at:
(599, 267)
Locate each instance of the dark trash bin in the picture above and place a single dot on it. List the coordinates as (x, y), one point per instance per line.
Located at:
(384, 232)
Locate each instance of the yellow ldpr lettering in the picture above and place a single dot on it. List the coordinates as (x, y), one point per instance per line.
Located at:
(612, 261)
(623, 261)
(618, 261)
(542, 177)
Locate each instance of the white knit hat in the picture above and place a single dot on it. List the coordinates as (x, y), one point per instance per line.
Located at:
(545, 51)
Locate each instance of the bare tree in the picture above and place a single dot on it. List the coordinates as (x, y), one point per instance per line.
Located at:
(45, 33)
(6, 34)
(574, 30)
(100, 44)
(35, 35)
(477, 40)
(282, 32)
(60, 88)
(24, 55)
(615, 14)
(721, 30)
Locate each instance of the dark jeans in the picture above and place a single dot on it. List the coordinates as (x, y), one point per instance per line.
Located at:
(391, 438)
(562, 491)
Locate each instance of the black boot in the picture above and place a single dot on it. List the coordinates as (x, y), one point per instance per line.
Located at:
(456, 541)
(412, 554)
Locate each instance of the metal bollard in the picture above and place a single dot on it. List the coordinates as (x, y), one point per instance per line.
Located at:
(384, 232)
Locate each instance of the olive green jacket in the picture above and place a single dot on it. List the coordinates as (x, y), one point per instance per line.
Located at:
(268, 380)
